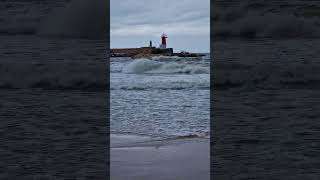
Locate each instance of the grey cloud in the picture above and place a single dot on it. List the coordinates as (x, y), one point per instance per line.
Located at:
(153, 17)
(150, 11)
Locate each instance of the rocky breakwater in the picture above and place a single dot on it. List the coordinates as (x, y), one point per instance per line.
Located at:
(149, 52)
(132, 52)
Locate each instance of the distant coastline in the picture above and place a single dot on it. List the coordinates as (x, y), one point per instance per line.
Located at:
(149, 52)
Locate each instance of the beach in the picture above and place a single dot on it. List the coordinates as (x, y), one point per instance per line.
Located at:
(138, 157)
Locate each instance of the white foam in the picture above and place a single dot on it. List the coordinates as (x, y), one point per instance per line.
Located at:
(53, 75)
(142, 66)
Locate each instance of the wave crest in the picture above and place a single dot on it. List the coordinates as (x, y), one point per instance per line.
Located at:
(142, 66)
(54, 76)
(267, 76)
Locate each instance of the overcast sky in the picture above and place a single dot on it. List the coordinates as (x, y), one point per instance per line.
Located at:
(186, 22)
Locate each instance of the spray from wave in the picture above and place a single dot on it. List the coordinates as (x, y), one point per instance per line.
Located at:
(143, 66)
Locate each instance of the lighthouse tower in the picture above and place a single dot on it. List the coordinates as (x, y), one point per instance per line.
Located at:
(163, 44)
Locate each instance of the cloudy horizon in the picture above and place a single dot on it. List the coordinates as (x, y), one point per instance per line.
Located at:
(135, 23)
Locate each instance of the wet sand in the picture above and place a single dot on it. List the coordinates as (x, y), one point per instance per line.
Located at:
(141, 157)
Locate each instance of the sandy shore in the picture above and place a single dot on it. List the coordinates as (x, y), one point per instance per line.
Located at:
(141, 157)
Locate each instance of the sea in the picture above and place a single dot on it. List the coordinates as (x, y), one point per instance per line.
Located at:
(265, 93)
(266, 109)
(53, 93)
(162, 97)
(266, 78)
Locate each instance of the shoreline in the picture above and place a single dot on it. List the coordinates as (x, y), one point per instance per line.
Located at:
(138, 157)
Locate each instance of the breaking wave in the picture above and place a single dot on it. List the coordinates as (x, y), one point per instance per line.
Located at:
(267, 76)
(142, 66)
(18, 30)
(53, 76)
(153, 139)
(204, 134)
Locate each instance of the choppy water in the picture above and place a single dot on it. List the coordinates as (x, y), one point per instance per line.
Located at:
(266, 115)
(53, 89)
(52, 111)
(162, 97)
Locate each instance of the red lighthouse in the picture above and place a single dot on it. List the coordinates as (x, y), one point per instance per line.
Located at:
(163, 44)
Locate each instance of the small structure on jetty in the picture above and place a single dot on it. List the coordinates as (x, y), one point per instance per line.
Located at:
(150, 51)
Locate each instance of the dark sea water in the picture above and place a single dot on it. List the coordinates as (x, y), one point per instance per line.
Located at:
(265, 98)
(266, 90)
(266, 115)
(53, 111)
(52, 95)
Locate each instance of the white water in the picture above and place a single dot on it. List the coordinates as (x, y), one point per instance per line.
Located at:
(164, 98)
(141, 66)
(26, 70)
